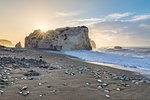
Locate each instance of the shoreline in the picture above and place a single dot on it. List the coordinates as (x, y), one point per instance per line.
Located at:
(137, 71)
(145, 73)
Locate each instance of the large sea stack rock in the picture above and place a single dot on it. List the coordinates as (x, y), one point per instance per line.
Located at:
(68, 38)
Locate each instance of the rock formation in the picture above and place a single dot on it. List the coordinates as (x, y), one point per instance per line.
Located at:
(4, 42)
(18, 45)
(93, 44)
(68, 38)
(117, 47)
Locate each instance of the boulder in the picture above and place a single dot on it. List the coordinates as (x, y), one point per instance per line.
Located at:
(68, 38)
(18, 45)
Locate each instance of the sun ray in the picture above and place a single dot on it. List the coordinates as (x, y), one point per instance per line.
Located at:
(43, 28)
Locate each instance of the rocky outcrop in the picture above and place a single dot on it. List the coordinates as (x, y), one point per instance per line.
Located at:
(4, 42)
(117, 47)
(18, 45)
(93, 44)
(68, 38)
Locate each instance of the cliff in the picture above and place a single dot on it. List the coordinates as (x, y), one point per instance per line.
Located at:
(68, 38)
(4, 42)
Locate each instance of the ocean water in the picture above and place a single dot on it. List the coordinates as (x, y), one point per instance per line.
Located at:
(137, 57)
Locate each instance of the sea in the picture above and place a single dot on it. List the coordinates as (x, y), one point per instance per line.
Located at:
(128, 58)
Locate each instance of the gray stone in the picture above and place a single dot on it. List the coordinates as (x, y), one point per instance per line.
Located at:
(107, 91)
(1, 91)
(118, 89)
(26, 93)
(107, 95)
(23, 88)
(100, 81)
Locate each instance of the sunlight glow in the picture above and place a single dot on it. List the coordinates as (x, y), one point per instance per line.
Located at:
(43, 28)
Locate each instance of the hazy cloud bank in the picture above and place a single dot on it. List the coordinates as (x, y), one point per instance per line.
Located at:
(113, 30)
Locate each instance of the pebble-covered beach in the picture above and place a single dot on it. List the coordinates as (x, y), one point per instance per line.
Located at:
(27, 74)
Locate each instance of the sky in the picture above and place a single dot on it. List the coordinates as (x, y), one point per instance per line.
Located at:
(110, 22)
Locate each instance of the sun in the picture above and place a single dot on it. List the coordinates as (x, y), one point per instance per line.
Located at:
(43, 28)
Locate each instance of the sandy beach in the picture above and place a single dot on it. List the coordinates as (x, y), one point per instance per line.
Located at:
(67, 78)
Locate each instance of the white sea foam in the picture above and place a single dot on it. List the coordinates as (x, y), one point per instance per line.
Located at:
(128, 58)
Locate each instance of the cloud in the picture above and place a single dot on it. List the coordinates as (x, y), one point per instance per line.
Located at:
(118, 15)
(110, 17)
(112, 30)
(140, 17)
(86, 21)
(121, 33)
(67, 14)
(145, 26)
(90, 20)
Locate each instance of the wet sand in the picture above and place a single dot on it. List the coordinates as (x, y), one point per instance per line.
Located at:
(71, 79)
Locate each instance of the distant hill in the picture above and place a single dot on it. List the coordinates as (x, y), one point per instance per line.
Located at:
(5, 42)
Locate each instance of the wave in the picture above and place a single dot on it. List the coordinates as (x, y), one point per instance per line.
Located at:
(131, 57)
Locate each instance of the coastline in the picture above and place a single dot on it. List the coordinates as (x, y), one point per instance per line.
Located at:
(73, 79)
(137, 71)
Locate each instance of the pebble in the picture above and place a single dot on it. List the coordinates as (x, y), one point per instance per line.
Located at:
(1, 91)
(53, 91)
(31, 73)
(107, 95)
(87, 83)
(118, 89)
(125, 85)
(104, 84)
(55, 67)
(70, 73)
(24, 78)
(133, 81)
(20, 92)
(100, 87)
(40, 83)
(23, 88)
(49, 86)
(40, 56)
(136, 83)
(100, 81)
(26, 93)
(41, 95)
(107, 91)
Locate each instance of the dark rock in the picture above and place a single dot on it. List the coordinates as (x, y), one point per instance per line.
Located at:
(22, 62)
(23, 88)
(40, 56)
(31, 73)
(26, 93)
(117, 47)
(18, 45)
(49, 86)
